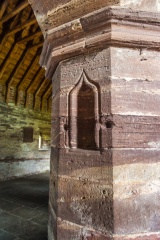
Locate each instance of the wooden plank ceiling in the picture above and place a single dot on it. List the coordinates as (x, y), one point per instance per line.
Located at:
(22, 80)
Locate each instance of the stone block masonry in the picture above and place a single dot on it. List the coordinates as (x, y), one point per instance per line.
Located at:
(118, 177)
(17, 157)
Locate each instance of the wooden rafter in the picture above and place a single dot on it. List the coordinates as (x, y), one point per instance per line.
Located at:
(30, 37)
(45, 94)
(34, 60)
(27, 72)
(17, 29)
(15, 21)
(36, 75)
(17, 66)
(14, 12)
(15, 25)
(8, 57)
(21, 26)
(15, 71)
(48, 90)
(24, 76)
(29, 86)
(37, 45)
(3, 8)
(6, 60)
(41, 86)
(40, 82)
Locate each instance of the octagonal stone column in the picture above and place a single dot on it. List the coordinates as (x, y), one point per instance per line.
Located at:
(103, 58)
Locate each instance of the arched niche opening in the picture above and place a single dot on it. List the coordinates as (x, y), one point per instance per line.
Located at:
(83, 114)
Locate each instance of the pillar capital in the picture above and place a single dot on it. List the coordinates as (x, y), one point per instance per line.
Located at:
(51, 14)
(109, 26)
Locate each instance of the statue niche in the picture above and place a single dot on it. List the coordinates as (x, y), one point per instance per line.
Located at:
(83, 113)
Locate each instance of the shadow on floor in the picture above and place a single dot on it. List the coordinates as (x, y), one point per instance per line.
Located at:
(24, 208)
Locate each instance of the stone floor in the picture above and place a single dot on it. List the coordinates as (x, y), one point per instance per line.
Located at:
(24, 208)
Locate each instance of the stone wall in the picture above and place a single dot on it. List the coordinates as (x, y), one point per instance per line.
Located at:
(79, 155)
(17, 157)
(135, 141)
(126, 160)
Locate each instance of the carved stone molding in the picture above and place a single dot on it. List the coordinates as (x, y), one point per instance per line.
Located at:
(100, 29)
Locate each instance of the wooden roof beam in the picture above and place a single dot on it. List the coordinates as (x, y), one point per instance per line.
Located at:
(46, 95)
(17, 29)
(24, 76)
(37, 54)
(27, 72)
(47, 92)
(14, 12)
(40, 83)
(17, 66)
(21, 26)
(15, 71)
(3, 8)
(31, 37)
(34, 80)
(37, 45)
(41, 86)
(6, 61)
(30, 86)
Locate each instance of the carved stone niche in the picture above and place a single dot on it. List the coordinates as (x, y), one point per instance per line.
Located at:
(83, 112)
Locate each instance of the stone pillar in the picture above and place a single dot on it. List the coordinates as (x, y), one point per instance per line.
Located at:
(103, 58)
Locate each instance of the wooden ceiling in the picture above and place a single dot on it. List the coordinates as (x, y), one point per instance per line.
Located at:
(22, 80)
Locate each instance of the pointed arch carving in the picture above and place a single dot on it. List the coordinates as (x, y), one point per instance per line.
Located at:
(84, 110)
